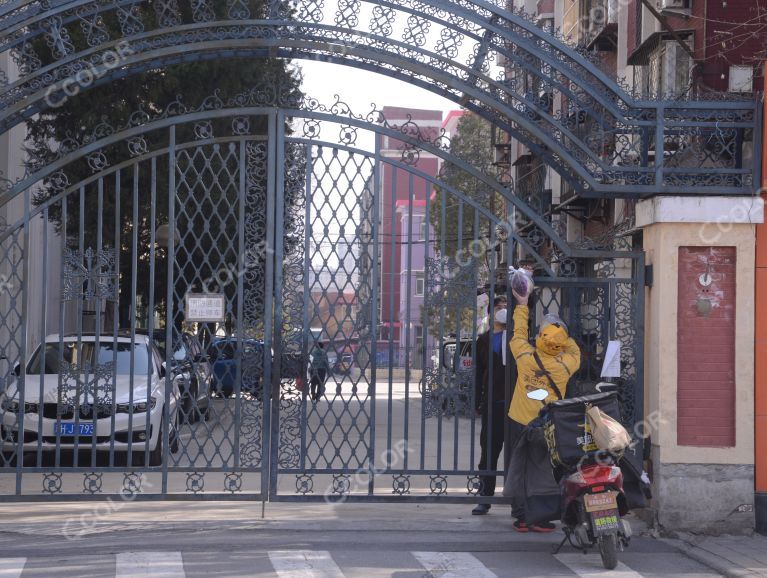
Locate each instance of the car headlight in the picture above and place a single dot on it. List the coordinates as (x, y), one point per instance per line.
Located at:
(138, 407)
(9, 405)
(12, 406)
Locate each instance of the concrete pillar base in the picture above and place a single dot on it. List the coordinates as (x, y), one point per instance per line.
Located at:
(705, 498)
(760, 512)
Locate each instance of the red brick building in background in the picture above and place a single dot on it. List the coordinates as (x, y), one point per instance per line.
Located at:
(396, 185)
(642, 42)
(725, 38)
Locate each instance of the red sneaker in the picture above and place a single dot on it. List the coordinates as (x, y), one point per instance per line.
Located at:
(520, 526)
(543, 528)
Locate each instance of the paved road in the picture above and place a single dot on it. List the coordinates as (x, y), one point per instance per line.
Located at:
(244, 554)
(431, 546)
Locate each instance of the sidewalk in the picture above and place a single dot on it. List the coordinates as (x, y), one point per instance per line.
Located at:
(733, 556)
(86, 518)
(448, 523)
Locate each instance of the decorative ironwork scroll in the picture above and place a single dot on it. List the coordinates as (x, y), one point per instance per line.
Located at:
(90, 275)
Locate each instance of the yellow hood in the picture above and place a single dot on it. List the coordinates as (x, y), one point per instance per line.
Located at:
(551, 340)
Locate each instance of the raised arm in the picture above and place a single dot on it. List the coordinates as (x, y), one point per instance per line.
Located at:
(519, 342)
(571, 356)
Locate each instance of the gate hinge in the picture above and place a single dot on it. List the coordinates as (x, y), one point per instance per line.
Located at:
(648, 275)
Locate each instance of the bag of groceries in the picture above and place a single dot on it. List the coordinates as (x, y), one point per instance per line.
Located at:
(521, 281)
(609, 435)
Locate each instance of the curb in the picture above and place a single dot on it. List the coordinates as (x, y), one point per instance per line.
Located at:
(709, 559)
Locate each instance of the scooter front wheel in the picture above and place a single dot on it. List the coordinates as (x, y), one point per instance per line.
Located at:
(608, 550)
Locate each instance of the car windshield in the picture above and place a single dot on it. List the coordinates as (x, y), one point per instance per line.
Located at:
(86, 354)
(159, 343)
(226, 350)
(178, 353)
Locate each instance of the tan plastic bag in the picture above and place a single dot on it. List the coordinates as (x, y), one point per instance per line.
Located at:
(609, 435)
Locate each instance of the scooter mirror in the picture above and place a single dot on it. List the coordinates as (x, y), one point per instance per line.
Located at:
(538, 394)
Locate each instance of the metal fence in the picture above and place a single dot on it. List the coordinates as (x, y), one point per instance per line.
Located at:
(237, 235)
(166, 280)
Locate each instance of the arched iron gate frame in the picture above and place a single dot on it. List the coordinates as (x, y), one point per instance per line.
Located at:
(282, 429)
(600, 138)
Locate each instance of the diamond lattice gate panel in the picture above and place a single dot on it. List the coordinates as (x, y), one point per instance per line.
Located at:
(279, 302)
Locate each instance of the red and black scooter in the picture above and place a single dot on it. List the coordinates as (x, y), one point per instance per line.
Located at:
(593, 500)
(593, 506)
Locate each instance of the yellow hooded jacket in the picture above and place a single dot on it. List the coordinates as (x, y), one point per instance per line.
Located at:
(559, 354)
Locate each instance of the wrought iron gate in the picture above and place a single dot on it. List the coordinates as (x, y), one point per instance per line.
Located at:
(308, 224)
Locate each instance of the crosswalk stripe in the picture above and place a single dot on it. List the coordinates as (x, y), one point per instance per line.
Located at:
(304, 564)
(11, 567)
(150, 564)
(591, 567)
(453, 565)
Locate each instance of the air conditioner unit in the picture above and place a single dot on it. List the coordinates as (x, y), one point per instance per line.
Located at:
(675, 4)
(502, 155)
(741, 79)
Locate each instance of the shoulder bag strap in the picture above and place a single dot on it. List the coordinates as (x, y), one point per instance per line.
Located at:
(548, 375)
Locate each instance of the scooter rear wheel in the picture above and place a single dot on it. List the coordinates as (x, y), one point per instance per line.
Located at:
(608, 549)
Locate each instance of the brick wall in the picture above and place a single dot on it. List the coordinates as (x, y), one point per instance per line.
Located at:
(631, 29)
(732, 43)
(706, 348)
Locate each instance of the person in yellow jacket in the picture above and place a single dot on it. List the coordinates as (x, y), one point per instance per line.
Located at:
(560, 357)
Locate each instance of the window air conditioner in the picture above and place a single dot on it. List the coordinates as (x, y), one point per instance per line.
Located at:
(675, 4)
(741, 79)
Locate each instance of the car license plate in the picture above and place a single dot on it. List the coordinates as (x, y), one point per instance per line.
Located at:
(600, 502)
(68, 429)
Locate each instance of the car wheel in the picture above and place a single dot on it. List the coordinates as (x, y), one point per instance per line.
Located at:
(155, 456)
(188, 406)
(173, 439)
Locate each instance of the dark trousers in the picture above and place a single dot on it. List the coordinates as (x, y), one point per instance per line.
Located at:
(491, 448)
(505, 431)
(516, 430)
(318, 384)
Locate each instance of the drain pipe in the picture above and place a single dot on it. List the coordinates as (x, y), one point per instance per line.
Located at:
(760, 374)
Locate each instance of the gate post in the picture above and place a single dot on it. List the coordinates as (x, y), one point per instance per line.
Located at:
(699, 362)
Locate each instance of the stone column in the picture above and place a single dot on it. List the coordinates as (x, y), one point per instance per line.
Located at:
(699, 360)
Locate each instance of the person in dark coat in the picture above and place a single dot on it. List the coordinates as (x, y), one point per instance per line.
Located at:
(490, 396)
(319, 371)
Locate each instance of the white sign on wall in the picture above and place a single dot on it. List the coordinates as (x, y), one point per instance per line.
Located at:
(612, 365)
(205, 307)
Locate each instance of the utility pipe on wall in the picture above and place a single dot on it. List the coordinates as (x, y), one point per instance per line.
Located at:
(760, 371)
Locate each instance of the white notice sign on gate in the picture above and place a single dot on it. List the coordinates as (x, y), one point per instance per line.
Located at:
(205, 307)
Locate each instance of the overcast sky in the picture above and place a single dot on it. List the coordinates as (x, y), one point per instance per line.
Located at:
(360, 88)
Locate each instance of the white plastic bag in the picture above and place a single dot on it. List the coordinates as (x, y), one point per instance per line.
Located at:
(521, 281)
(608, 434)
